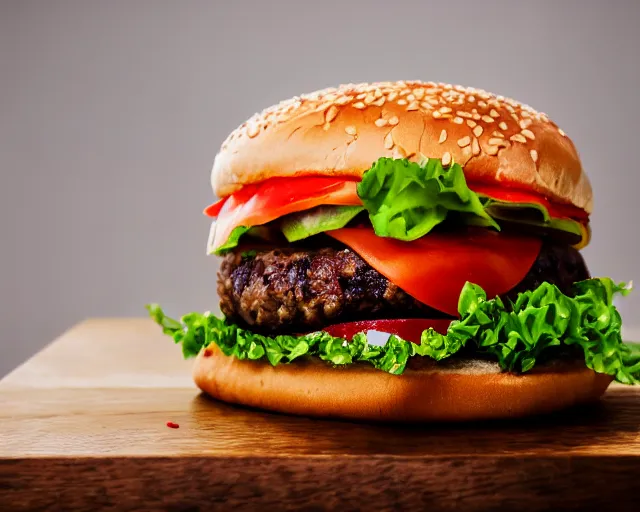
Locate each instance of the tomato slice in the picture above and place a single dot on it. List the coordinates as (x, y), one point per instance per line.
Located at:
(254, 205)
(513, 195)
(409, 329)
(214, 209)
(433, 269)
(305, 186)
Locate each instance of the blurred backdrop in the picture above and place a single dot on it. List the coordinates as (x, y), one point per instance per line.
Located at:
(111, 113)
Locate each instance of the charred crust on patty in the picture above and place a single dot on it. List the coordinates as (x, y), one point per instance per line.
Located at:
(297, 290)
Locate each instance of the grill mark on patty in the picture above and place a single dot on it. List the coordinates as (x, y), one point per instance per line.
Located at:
(295, 290)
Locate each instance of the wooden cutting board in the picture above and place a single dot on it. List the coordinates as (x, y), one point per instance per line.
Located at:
(83, 425)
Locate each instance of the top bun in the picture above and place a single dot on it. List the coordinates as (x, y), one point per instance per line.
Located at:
(341, 132)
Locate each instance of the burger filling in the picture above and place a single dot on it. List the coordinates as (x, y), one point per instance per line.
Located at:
(321, 267)
(295, 290)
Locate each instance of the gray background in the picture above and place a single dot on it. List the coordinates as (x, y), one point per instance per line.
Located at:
(111, 113)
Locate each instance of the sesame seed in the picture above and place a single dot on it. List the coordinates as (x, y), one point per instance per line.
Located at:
(402, 102)
(445, 110)
(425, 105)
(378, 93)
(464, 141)
(433, 101)
(482, 104)
(493, 113)
(253, 130)
(392, 95)
(487, 119)
(443, 136)
(413, 106)
(503, 125)
(381, 122)
(458, 120)
(475, 147)
(525, 123)
(561, 132)
(379, 102)
(534, 155)
(436, 114)
(369, 99)
(331, 113)
(342, 100)
(462, 113)
(471, 123)
(351, 130)
(491, 150)
(477, 117)
(496, 141)
(419, 93)
(388, 141)
(477, 131)
(411, 97)
(358, 105)
(471, 99)
(393, 121)
(446, 159)
(398, 152)
(518, 138)
(528, 134)
(326, 126)
(404, 92)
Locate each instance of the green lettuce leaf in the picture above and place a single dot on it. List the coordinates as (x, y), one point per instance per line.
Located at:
(406, 200)
(196, 331)
(533, 215)
(231, 242)
(263, 232)
(298, 226)
(541, 324)
(530, 212)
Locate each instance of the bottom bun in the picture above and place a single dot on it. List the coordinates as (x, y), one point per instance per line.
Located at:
(457, 391)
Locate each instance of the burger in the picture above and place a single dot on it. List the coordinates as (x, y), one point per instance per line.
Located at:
(403, 251)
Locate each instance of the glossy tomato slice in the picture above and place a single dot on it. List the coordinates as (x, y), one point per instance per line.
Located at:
(433, 269)
(409, 329)
(214, 209)
(255, 205)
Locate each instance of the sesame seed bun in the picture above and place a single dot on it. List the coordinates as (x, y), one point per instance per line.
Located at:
(341, 132)
(472, 390)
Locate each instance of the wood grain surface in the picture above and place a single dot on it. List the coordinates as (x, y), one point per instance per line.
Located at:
(83, 427)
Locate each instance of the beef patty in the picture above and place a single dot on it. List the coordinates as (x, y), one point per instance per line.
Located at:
(294, 290)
